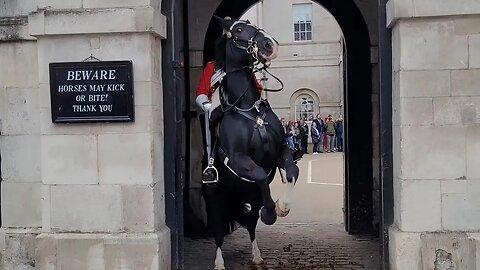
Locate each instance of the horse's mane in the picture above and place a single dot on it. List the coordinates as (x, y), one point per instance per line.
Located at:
(220, 55)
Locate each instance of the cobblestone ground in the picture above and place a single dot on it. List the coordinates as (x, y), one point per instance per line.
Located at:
(289, 247)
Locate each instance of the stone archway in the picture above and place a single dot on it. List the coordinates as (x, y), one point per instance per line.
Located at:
(359, 21)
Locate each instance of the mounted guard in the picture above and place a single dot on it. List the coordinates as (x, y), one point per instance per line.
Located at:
(249, 143)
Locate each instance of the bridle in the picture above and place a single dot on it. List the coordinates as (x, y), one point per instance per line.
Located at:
(251, 48)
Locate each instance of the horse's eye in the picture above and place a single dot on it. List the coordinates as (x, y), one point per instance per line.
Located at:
(239, 30)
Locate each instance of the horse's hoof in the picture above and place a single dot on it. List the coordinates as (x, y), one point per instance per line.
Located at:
(258, 261)
(279, 211)
(259, 265)
(219, 268)
(268, 217)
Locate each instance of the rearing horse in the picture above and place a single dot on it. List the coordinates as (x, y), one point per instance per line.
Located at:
(251, 142)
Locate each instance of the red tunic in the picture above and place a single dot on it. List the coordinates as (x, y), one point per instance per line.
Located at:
(204, 88)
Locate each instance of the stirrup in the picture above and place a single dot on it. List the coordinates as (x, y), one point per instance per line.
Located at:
(208, 178)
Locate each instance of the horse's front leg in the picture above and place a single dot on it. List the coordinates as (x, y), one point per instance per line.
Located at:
(245, 167)
(289, 173)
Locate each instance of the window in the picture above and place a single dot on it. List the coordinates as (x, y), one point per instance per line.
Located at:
(302, 22)
(304, 107)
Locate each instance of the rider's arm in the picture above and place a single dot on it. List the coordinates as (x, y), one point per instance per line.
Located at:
(204, 90)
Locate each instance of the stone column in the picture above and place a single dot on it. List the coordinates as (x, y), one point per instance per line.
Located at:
(436, 61)
(98, 193)
(19, 138)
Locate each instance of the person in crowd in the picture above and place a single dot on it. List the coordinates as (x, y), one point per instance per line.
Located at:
(320, 126)
(304, 135)
(297, 139)
(315, 138)
(325, 137)
(339, 133)
(330, 131)
(289, 135)
(284, 125)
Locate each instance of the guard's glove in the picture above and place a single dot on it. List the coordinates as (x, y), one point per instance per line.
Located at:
(206, 106)
(203, 102)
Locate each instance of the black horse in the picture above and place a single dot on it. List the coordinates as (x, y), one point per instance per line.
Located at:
(251, 142)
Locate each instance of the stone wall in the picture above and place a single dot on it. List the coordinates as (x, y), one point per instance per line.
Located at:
(81, 196)
(436, 130)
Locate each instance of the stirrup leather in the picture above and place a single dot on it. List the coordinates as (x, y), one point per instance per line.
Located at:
(207, 179)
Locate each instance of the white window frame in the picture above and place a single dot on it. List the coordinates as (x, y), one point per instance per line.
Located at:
(304, 107)
(302, 22)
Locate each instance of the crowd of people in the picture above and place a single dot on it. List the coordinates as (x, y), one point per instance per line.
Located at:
(326, 134)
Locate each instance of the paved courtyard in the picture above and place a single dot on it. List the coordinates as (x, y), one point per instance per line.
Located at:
(311, 237)
(318, 193)
(289, 247)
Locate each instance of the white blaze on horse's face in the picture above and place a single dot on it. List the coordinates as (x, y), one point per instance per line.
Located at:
(271, 45)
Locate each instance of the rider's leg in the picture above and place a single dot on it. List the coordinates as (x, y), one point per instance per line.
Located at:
(210, 174)
(202, 126)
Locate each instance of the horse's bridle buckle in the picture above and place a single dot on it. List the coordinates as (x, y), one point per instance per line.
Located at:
(260, 122)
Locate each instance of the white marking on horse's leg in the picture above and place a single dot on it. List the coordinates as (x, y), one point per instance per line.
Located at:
(219, 263)
(283, 175)
(285, 201)
(247, 208)
(257, 259)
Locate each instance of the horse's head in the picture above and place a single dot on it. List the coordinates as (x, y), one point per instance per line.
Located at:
(250, 38)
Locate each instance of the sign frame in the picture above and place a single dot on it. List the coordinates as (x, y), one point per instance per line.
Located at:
(127, 114)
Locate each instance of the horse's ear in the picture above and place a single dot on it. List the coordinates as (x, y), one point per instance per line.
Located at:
(224, 23)
(220, 21)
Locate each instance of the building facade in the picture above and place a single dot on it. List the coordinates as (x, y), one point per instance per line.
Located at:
(91, 196)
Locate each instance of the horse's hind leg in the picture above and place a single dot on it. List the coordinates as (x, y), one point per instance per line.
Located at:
(289, 173)
(217, 221)
(257, 258)
(219, 262)
(245, 167)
